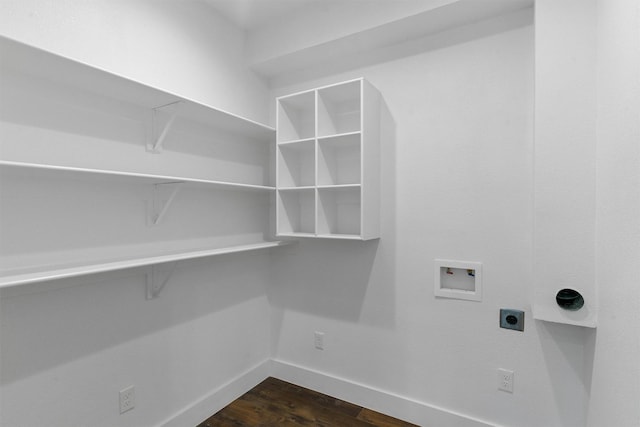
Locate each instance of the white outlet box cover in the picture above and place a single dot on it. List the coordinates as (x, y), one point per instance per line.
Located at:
(458, 279)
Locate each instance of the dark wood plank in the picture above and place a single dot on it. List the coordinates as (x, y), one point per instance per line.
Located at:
(381, 420)
(276, 403)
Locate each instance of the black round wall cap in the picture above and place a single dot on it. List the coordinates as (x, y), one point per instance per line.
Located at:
(569, 299)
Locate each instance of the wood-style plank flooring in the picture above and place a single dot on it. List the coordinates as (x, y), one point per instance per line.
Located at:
(276, 403)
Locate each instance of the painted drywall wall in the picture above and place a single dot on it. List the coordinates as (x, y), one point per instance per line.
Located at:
(337, 34)
(179, 46)
(616, 371)
(457, 184)
(565, 155)
(322, 23)
(66, 352)
(68, 347)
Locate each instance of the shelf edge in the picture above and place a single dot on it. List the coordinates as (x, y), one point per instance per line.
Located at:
(263, 127)
(104, 172)
(339, 135)
(55, 274)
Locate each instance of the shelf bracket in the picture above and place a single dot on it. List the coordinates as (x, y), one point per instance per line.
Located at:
(159, 127)
(160, 200)
(157, 279)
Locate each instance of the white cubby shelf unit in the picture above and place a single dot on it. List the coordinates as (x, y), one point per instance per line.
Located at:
(328, 161)
(99, 172)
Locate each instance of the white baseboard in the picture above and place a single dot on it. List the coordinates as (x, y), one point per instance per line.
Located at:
(397, 406)
(217, 399)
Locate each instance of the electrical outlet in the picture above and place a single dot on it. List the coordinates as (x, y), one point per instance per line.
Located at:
(127, 399)
(505, 380)
(512, 319)
(318, 340)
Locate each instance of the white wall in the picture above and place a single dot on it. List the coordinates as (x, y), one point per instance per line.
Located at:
(180, 46)
(565, 158)
(616, 372)
(457, 184)
(69, 346)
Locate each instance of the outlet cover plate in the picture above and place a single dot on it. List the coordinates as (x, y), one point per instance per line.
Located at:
(505, 380)
(512, 319)
(127, 399)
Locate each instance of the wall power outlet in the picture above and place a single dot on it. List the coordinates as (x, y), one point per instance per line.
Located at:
(318, 340)
(505, 380)
(127, 399)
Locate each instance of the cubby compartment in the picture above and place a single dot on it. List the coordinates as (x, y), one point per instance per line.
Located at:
(296, 117)
(296, 164)
(339, 160)
(296, 212)
(339, 212)
(339, 108)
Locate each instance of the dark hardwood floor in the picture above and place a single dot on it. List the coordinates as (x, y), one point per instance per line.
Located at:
(278, 403)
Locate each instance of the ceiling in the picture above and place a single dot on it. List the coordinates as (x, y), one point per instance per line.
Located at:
(288, 38)
(250, 14)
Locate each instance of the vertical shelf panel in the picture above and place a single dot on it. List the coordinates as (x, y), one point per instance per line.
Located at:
(372, 121)
(296, 211)
(296, 117)
(339, 211)
(339, 109)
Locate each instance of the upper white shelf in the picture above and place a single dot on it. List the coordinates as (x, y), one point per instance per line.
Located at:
(47, 273)
(29, 168)
(24, 59)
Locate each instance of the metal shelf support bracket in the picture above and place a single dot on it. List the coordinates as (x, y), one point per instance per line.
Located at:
(161, 198)
(160, 125)
(157, 279)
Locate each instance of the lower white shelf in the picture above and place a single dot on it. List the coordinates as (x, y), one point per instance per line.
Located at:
(341, 236)
(25, 276)
(552, 314)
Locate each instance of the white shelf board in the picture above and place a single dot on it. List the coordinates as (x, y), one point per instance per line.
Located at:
(23, 58)
(53, 273)
(341, 236)
(304, 187)
(18, 167)
(296, 141)
(346, 82)
(296, 235)
(323, 236)
(557, 315)
(338, 186)
(339, 135)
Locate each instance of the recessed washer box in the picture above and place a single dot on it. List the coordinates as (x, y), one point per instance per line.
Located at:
(458, 279)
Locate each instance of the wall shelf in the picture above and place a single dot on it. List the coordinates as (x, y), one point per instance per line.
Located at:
(551, 312)
(34, 275)
(40, 64)
(328, 141)
(17, 168)
(75, 157)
